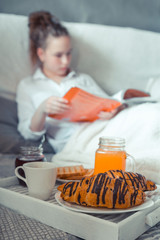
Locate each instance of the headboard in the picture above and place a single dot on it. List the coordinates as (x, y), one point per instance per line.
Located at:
(141, 14)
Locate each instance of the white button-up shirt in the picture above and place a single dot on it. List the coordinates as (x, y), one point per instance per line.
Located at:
(33, 90)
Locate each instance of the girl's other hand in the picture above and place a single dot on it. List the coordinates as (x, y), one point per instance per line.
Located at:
(55, 105)
(131, 93)
(107, 115)
(103, 115)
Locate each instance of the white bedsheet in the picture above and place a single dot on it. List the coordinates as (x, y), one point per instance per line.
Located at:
(139, 125)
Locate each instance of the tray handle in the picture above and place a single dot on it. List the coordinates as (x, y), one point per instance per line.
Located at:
(153, 218)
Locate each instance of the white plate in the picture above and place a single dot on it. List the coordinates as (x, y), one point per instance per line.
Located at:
(66, 180)
(74, 207)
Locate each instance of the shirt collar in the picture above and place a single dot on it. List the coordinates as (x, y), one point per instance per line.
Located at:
(40, 75)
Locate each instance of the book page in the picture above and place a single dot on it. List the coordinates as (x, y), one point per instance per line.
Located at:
(139, 100)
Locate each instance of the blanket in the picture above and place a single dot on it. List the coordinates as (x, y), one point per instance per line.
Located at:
(139, 125)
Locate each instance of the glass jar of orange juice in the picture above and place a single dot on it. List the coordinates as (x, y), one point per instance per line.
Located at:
(111, 155)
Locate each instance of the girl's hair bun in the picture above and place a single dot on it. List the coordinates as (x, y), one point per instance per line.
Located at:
(43, 19)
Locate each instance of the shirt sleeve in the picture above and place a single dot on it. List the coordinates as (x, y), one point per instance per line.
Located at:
(25, 112)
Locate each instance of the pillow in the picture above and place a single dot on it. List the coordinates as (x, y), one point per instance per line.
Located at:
(10, 138)
(153, 87)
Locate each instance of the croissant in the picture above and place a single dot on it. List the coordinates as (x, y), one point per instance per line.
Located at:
(102, 191)
(135, 180)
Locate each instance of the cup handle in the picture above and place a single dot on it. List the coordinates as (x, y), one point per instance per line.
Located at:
(18, 175)
(131, 163)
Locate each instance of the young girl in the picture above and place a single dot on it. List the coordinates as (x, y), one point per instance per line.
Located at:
(42, 94)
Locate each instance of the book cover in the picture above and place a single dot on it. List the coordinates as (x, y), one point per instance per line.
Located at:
(85, 106)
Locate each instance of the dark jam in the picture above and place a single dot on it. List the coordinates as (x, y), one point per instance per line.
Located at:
(26, 157)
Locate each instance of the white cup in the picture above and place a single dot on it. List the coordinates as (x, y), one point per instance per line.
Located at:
(40, 178)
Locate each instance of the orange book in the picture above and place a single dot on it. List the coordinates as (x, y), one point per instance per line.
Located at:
(85, 106)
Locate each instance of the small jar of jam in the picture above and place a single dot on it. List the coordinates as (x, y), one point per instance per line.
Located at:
(28, 154)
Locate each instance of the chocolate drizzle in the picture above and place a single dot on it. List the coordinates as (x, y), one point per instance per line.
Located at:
(113, 189)
(101, 185)
(79, 198)
(105, 189)
(133, 197)
(136, 179)
(72, 186)
(120, 191)
(97, 186)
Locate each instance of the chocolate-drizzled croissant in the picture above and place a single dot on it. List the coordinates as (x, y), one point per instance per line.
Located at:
(102, 191)
(135, 180)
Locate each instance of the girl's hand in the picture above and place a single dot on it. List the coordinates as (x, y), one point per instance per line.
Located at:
(131, 93)
(108, 115)
(55, 105)
(52, 105)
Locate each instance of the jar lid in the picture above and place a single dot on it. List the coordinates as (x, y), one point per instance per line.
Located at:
(112, 141)
(31, 149)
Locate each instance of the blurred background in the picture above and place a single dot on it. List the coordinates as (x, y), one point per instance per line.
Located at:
(141, 14)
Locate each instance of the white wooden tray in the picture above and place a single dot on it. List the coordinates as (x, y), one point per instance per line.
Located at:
(128, 225)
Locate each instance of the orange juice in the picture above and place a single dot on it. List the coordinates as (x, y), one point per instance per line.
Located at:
(109, 160)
